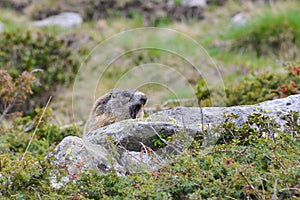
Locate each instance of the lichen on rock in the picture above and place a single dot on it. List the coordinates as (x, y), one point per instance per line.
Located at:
(127, 146)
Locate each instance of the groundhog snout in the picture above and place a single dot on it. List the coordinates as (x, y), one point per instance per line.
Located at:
(143, 100)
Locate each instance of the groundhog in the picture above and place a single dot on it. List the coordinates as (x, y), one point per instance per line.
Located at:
(114, 106)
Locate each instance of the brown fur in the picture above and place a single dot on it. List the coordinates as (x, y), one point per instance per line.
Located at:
(114, 106)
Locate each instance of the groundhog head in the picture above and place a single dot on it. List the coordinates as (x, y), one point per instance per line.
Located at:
(114, 106)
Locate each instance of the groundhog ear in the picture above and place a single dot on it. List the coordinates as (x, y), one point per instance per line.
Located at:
(101, 103)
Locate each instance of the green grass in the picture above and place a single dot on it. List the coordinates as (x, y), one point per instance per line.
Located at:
(271, 34)
(12, 20)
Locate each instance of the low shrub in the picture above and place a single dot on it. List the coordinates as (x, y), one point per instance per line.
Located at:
(265, 86)
(13, 90)
(27, 51)
(26, 170)
(23, 177)
(16, 136)
(257, 88)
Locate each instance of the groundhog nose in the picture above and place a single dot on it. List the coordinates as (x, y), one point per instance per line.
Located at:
(143, 100)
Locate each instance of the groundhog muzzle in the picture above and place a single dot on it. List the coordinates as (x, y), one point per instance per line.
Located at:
(114, 106)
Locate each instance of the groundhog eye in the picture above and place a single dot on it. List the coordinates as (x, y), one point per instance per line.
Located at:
(125, 94)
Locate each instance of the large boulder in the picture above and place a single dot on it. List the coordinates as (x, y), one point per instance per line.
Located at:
(77, 155)
(125, 146)
(215, 115)
(64, 20)
(128, 146)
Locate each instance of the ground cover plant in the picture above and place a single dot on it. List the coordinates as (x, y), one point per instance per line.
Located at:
(257, 88)
(41, 53)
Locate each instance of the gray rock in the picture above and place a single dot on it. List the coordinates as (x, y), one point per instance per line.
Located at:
(63, 20)
(1, 27)
(77, 155)
(215, 115)
(127, 146)
(194, 3)
(240, 19)
(131, 133)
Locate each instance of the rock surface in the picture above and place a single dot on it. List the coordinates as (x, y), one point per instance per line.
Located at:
(64, 20)
(127, 146)
(1, 27)
(194, 3)
(240, 19)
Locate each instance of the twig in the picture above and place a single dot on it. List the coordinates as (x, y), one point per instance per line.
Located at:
(154, 109)
(242, 152)
(275, 190)
(177, 101)
(168, 144)
(119, 144)
(257, 194)
(202, 116)
(164, 106)
(283, 168)
(157, 157)
(12, 103)
(218, 151)
(229, 197)
(6, 110)
(146, 151)
(164, 141)
(35, 130)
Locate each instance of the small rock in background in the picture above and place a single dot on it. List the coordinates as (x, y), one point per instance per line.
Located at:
(240, 19)
(1, 27)
(194, 3)
(63, 20)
